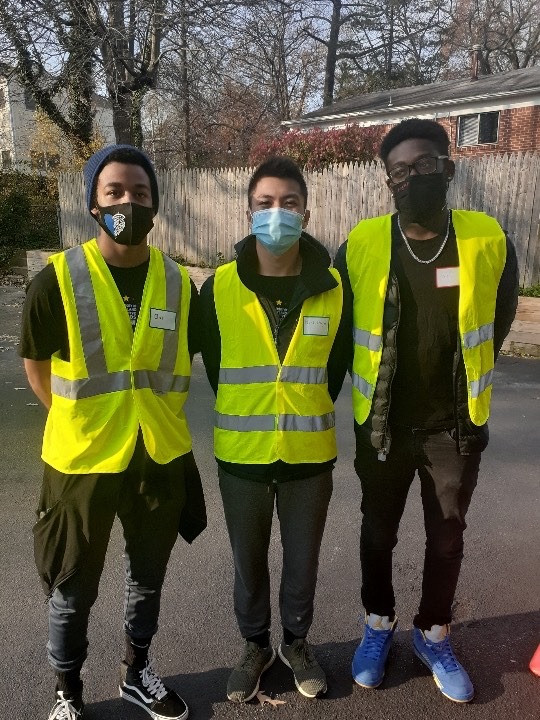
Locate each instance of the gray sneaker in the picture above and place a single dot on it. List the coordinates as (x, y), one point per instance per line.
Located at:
(244, 680)
(309, 676)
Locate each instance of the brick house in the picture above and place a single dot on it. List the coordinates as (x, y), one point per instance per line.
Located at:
(18, 125)
(482, 114)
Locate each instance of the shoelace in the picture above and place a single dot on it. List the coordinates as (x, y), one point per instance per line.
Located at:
(64, 710)
(152, 682)
(374, 643)
(306, 656)
(251, 659)
(445, 654)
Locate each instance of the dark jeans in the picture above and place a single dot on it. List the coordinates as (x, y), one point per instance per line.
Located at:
(148, 499)
(447, 482)
(249, 508)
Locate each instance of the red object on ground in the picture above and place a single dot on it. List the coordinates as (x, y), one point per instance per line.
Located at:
(534, 665)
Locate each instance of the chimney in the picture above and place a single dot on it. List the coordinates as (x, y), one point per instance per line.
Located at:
(476, 59)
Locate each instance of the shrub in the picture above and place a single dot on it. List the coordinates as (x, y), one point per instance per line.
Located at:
(316, 149)
(532, 291)
(28, 217)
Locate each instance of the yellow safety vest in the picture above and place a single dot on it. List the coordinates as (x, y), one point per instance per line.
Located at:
(118, 379)
(482, 254)
(267, 411)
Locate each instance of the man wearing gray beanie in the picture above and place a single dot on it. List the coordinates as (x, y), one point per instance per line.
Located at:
(108, 333)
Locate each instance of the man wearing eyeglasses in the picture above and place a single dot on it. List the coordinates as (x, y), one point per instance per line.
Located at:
(431, 293)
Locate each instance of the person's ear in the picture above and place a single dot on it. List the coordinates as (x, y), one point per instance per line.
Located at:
(450, 170)
(305, 221)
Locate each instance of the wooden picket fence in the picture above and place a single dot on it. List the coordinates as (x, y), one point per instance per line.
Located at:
(203, 211)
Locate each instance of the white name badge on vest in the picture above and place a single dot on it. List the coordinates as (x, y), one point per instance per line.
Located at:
(314, 325)
(447, 277)
(162, 319)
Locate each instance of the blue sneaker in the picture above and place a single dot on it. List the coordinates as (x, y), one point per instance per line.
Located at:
(450, 676)
(370, 657)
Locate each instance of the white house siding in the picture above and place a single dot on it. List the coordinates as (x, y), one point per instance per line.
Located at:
(6, 136)
(17, 124)
(22, 126)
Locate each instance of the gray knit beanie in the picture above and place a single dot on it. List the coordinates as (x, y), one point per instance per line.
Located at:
(93, 167)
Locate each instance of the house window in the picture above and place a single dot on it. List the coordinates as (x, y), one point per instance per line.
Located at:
(6, 159)
(44, 161)
(478, 129)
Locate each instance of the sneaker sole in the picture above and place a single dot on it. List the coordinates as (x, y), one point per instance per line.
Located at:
(369, 687)
(265, 668)
(302, 692)
(156, 716)
(438, 682)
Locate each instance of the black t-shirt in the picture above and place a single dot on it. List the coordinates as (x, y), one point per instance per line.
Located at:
(279, 292)
(44, 326)
(422, 388)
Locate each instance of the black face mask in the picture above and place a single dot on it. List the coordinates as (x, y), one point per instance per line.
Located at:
(422, 199)
(127, 223)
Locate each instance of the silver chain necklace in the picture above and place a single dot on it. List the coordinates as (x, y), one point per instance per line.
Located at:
(439, 251)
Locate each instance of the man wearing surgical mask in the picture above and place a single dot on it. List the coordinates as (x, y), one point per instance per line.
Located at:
(431, 293)
(109, 330)
(275, 353)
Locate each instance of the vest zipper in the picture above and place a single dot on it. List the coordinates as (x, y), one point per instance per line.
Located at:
(276, 333)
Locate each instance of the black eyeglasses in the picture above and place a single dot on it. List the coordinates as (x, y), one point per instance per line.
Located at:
(425, 165)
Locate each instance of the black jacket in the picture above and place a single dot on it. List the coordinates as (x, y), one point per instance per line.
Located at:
(314, 278)
(375, 431)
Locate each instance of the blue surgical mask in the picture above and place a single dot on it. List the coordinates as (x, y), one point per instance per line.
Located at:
(277, 229)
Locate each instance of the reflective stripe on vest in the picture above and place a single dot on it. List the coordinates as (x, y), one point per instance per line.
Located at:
(363, 387)
(265, 423)
(481, 248)
(245, 376)
(367, 339)
(269, 373)
(307, 423)
(473, 338)
(100, 381)
(478, 386)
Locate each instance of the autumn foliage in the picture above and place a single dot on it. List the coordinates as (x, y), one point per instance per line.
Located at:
(316, 149)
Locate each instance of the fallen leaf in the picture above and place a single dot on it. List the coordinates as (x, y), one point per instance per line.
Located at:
(262, 698)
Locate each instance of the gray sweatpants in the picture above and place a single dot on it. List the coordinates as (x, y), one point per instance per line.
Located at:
(249, 507)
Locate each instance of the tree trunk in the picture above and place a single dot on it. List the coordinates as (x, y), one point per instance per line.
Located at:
(122, 116)
(390, 48)
(331, 55)
(184, 84)
(136, 122)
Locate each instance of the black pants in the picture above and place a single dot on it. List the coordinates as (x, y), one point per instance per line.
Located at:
(148, 499)
(447, 482)
(249, 508)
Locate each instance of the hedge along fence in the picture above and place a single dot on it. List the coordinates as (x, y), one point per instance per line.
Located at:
(203, 212)
(28, 211)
